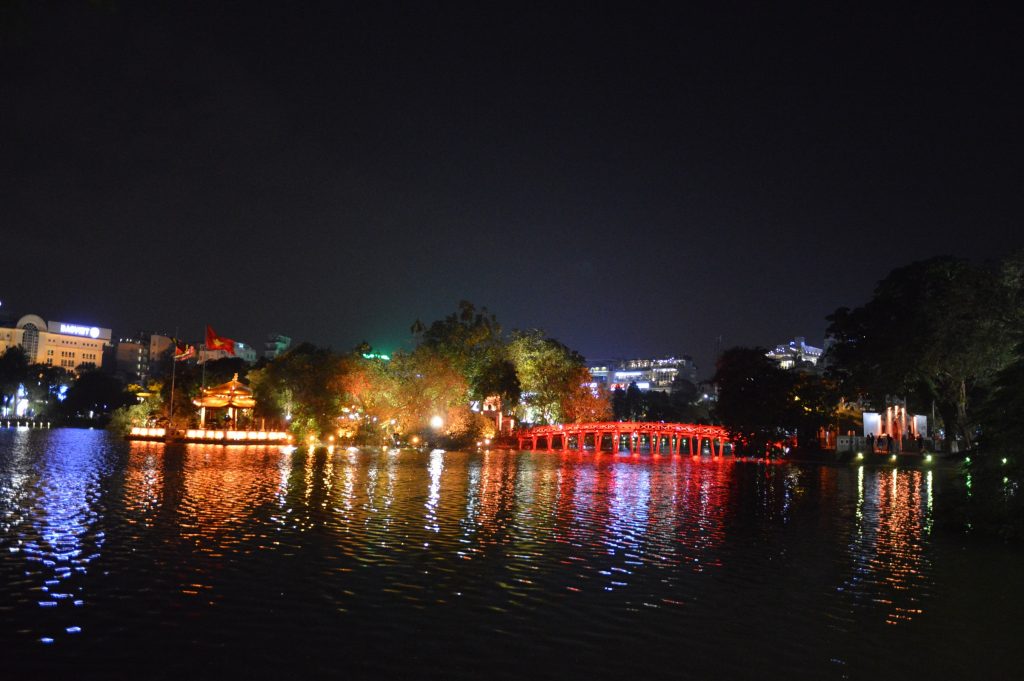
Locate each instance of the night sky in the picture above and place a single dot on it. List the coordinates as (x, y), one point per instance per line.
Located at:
(634, 180)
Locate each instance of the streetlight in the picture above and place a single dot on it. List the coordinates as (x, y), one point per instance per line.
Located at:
(436, 422)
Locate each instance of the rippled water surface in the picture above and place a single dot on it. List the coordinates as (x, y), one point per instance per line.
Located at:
(165, 561)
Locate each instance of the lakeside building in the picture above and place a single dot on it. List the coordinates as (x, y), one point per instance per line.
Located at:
(648, 374)
(797, 354)
(54, 343)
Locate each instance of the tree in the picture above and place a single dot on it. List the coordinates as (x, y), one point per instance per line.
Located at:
(369, 386)
(498, 378)
(188, 380)
(46, 386)
(814, 401)
(583, 404)
(469, 339)
(934, 332)
(222, 370)
(754, 398)
(136, 415)
(96, 394)
(13, 374)
(549, 373)
(299, 387)
(635, 404)
(429, 385)
(1003, 413)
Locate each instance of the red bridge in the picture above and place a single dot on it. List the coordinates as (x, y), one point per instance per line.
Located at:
(660, 438)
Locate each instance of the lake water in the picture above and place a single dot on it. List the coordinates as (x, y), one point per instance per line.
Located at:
(146, 560)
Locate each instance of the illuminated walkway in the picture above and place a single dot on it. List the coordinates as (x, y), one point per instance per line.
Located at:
(658, 438)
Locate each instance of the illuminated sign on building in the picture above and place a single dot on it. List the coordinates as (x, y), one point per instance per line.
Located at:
(75, 330)
(79, 330)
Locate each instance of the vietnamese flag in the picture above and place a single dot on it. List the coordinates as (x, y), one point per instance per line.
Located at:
(215, 342)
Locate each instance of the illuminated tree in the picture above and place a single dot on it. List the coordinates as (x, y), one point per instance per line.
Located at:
(469, 339)
(549, 373)
(583, 404)
(429, 385)
(369, 385)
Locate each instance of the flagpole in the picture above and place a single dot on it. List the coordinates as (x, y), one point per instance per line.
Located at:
(174, 370)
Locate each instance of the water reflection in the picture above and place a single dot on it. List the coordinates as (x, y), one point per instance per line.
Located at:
(506, 544)
(890, 566)
(51, 504)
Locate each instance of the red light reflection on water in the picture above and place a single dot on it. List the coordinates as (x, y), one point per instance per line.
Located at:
(890, 566)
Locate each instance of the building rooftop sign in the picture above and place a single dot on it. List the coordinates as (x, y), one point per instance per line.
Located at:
(80, 330)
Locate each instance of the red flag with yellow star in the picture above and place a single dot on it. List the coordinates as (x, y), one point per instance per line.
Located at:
(215, 342)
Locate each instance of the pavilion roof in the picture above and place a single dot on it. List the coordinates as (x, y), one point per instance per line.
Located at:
(234, 393)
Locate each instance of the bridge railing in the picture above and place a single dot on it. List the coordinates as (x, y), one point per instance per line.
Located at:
(661, 437)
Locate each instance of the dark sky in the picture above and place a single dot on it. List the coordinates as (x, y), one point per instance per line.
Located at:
(634, 180)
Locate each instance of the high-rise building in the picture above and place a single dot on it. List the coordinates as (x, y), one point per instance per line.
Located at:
(141, 357)
(131, 359)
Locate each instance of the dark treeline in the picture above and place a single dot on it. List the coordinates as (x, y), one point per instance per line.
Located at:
(944, 335)
(41, 392)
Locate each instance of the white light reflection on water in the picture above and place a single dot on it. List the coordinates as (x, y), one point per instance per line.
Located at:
(627, 522)
(434, 492)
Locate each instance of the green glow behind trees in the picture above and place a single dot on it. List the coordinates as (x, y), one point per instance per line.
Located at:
(459, 362)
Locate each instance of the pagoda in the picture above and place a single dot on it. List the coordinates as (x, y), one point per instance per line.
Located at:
(233, 395)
